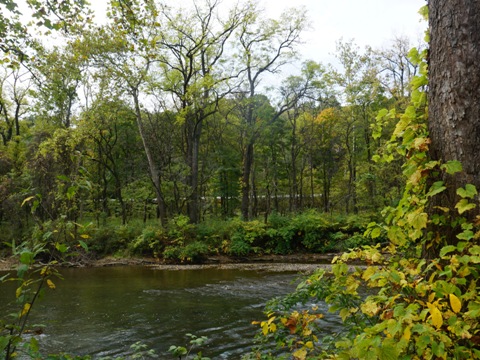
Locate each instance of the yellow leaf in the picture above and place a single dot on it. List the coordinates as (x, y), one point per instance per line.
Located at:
(416, 177)
(300, 354)
(407, 333)
(370, 308)
(455, 303)
(369, 271)
(273, 327)
(50, 284)
(436, 316)
(431, 297)
(85, 236)
(344, 313)
(27, 200)
(18, 292)
(307, 331)
(265, 329)
(26, 308)
(309, 344)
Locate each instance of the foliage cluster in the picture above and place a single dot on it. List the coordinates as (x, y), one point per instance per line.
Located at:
(32, 280)
(414, 299)
(181, 241)
(308, 141)
(90, 176)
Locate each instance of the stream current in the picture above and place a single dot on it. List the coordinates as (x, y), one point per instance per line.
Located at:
(103, 311)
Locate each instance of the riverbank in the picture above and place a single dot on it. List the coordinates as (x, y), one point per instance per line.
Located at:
(293, 262)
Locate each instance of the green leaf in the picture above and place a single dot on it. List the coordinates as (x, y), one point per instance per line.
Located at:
(21, 270)
(34, 345)
(447, 249)
(418, 220)
(452, 167)
(63, 178)
(436, 188)
(71, 192)
(397, 236)
(474, 250)
(11, 6)
(48, 24)
(463, 205)
(61, 247)
(469, 192)
(26, 257)
(466, 235)
(83, 245)
(4, 341)
(376, 233)
(424, 12)
(388, 351)
(382, 113)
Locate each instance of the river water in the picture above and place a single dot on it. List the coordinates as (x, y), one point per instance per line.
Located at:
(103, 311)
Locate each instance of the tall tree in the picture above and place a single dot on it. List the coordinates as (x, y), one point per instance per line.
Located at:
(454, 91)
(264, 47)
(397, 69)
(125, 50)
(359, 86)
(14, 88)
(57, 75)
(302, 90)
(194, 74)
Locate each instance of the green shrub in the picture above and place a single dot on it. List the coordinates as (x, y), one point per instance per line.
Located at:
(180, 230)
(194, 252)
(238, 245)
(214, 232)
(355, 241)
(255, 233)
(312, 230)
(150, 242)
(113, 238)
(280, 240)
(277, 221)
(172, 253)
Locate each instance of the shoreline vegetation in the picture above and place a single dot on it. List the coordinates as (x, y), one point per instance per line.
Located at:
(272, 263)
(308, 238)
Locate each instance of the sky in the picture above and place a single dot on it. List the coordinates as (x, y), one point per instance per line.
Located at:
(367, 22)
(373, 23)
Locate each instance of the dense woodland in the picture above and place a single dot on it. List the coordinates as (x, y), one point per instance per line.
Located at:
(185, 132)
(204, 112)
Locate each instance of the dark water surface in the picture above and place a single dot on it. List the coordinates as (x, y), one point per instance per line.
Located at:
(102, 311)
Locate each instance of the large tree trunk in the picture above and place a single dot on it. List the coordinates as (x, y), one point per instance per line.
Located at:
(454, 102)
(454, 88)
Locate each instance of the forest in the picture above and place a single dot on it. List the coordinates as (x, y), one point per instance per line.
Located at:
(169, 118)
(179, 134)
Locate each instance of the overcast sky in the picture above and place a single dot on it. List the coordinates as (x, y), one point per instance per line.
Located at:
(372, 23)
(367, 22)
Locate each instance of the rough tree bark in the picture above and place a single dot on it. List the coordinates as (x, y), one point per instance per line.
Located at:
(454, 90)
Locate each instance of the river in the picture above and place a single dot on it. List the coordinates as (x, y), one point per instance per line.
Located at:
(103, 311)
